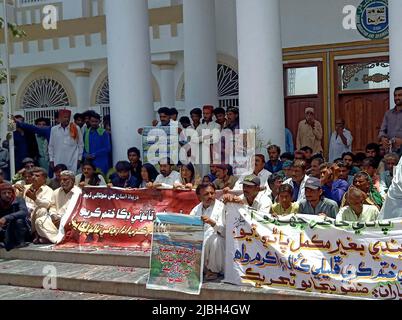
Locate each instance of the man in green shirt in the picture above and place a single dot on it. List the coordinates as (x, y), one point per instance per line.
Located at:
(357, 210)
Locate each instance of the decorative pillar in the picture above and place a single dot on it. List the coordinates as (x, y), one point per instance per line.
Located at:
(82, 73)
(129, 67)
(261, 69)
(167, 85)
(200, 55)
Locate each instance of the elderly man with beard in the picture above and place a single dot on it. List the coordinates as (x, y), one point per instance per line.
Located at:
(213, 214)
(47, 226)
(14, 227)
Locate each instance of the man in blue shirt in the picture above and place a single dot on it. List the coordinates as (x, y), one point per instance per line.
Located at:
(97, 144)
(274, 165)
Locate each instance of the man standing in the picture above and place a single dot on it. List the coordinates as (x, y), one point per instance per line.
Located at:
(341, 141)
(14, 228)
(232, 122)
(220, 116)
(391, 129)
(97, 145)
(47, 226)
(196, 115)
(309, 133)
(66, 143)
(213, 214)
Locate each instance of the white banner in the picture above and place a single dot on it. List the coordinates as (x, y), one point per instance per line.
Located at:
(313, 254)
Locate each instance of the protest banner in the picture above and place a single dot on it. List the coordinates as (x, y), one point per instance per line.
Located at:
(120, 218)
(177, 254)
(314, 254)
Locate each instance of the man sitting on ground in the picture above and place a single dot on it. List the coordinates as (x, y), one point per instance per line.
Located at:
(252, 196)
(38, 197)
(14, 227)
(315, 203)
(213, 214)
(225, 179)
(123, 177)
(47, 226)
(54, 184)
(333, 188)
(298, 180)
(167, 178)
(285, 205)
(357, 210)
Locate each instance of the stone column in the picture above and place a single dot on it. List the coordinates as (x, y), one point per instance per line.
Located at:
(167, 85)
(129, 65)
(200, 55)
(82, 73)
(261, 69)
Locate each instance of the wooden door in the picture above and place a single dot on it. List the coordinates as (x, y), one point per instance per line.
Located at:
(295, 105)
(363, 114)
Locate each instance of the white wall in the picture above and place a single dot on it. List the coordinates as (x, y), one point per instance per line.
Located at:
(312, 22)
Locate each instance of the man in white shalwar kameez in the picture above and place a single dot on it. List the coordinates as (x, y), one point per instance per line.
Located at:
(212, 213)
(66, 143)
(47, 226)
(392, 208)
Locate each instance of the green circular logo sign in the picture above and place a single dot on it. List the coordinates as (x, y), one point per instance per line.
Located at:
(372, 19)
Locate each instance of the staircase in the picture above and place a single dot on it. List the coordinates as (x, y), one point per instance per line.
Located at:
(107, 274)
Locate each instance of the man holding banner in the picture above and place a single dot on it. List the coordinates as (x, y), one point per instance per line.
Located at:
(213, 214)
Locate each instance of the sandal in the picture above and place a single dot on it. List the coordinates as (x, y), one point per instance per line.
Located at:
(211, 276)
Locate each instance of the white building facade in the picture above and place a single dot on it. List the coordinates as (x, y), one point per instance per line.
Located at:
(271, 58)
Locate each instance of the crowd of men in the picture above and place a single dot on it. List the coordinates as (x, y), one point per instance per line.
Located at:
(75, 154)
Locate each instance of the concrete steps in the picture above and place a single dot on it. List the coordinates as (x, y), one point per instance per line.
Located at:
(124, 258)
(128, 282)
(21, 293)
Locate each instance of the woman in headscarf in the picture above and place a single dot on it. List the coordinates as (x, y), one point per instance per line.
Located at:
(14, 226)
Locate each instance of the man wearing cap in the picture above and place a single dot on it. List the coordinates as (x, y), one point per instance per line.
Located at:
(47, 226)
(310, 133)
(66, 144)
(232, 116)
(252, 196)
(224, 179)
(315, 203)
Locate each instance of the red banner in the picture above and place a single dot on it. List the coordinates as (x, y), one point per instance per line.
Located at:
(119, 218)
